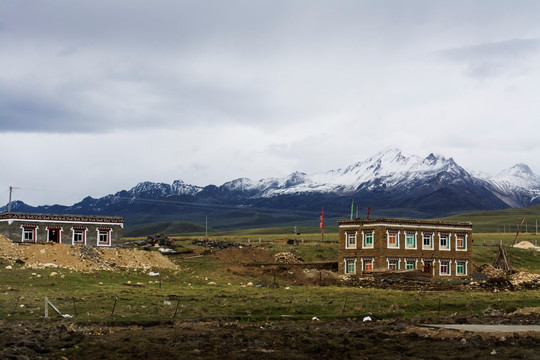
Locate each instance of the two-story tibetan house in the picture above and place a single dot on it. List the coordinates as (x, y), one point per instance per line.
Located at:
(439, 248)
(64, 229)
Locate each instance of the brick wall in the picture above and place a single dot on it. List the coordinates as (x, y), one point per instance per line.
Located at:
(381, 252)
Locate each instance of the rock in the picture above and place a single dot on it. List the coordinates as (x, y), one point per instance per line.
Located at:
(463, 341)
(9, 267)
(54, 273)
(493, 352)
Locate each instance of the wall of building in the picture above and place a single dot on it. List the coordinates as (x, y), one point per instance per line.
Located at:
(61, 229)
(381, 253)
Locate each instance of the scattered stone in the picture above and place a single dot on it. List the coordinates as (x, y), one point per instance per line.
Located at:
(287, 258)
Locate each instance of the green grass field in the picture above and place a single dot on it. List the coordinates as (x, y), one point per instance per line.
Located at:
(202, 288)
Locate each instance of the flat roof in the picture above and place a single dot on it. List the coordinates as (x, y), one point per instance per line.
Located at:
(62, 217)
(394, 221)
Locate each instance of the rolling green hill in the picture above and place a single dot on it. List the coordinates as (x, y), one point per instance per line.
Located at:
(494, 221)
(501, 221)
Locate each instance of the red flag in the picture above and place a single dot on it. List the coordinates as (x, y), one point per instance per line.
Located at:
(322, 221)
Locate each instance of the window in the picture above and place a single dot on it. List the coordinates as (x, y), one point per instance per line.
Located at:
(79, 235)
(427, 242)
(410, 264)
(461, 243)
(392, 238)
(350, 266)
(461, 267)
(29, 234)
(410, 240)
(350, 240)
(104, 237)
(444, 267)
(393, 264)
(368, 239)
(444, 243)
(367, 264)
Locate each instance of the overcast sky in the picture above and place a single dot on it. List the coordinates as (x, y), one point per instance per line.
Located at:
(98, 95)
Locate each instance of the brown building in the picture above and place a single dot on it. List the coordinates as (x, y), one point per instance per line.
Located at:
(64, 229)
(437, 247)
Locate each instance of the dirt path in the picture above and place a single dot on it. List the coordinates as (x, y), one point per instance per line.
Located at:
(489, 328)
(337, 339)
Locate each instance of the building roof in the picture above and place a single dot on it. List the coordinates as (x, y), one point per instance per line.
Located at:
(404, 222)
(61, 218)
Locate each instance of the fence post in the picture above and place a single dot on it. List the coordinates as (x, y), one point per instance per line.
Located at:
(114, 306)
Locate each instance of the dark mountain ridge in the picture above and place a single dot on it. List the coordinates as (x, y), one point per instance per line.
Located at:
(389, 182)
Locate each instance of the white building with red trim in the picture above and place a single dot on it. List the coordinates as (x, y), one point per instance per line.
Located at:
(104, 231)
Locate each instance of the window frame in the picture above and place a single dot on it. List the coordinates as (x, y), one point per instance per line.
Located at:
(348, 234)
(448, 264)
(29, 230)
(371, 234)
(430, 236)
(458, 248)
(396, 234)
(392, 260)
(414, 238)
(101, 231)
(75, 231)
(448, 242)
(366, 261)
(415, 261)
(347, 262)
(463, 263)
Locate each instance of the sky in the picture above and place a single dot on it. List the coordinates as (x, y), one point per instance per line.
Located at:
(99, 95)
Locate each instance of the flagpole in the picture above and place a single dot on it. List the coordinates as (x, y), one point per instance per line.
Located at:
(321, 225)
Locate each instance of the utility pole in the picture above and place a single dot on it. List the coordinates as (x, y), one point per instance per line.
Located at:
(11, 188)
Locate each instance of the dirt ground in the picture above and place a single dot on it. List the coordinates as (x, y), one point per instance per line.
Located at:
(81, 258)
(244, 255)
(222, 339)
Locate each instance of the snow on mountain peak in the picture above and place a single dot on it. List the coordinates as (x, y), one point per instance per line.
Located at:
(521, 171)
(388, 170)
(239, 184)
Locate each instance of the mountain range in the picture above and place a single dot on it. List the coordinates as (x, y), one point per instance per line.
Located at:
(389, 183)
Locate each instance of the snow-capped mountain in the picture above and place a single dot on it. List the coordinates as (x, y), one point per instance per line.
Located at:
(517, 186)
(389, 181)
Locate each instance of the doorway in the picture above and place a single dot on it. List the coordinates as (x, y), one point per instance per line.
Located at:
(54, 235)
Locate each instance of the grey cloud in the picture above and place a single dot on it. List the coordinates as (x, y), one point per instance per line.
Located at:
(497, 50)
(491, 59)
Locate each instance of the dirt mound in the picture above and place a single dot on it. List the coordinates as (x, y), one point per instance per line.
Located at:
(287, 258)
(522, 277)
(527, 311)
(244, 255)
(9, 250)
(491, 272)
(526, 245)
(80, 257)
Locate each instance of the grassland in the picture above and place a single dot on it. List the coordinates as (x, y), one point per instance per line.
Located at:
(204, 287)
